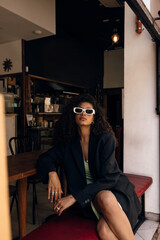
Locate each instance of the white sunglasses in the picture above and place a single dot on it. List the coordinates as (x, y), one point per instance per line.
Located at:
(79, 110)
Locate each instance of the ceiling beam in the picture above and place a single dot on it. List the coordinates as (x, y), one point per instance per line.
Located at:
(146, 18)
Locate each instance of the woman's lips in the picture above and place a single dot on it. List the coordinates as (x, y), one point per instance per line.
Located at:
(83, 119)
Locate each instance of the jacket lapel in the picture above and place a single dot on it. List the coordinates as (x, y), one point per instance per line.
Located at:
(91, 152)
(78, 156)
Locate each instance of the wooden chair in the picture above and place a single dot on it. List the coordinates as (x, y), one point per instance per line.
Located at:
(22, 144)
(13, 195)
(27, 144)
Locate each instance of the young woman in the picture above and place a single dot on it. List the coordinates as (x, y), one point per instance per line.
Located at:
(85, 145)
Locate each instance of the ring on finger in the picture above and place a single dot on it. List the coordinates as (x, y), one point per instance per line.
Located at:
(56, 192)
(52, 193)
(58, 208)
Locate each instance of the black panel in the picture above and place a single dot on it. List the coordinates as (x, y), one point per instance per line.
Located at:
(65, 59)
(158, 79)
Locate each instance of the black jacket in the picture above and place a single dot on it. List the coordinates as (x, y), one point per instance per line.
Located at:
(103, 167)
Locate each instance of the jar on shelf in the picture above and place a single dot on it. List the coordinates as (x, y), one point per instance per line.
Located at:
(40, 121)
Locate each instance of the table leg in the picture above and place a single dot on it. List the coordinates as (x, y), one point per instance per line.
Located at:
(22, 205)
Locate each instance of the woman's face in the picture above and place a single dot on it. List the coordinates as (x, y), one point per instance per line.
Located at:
(84, 119)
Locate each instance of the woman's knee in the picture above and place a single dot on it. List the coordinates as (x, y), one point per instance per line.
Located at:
(105, 197)
(105, 201)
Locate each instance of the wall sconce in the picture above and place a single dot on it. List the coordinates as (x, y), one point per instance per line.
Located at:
(157, 18)
(115, 36)
(138, 26)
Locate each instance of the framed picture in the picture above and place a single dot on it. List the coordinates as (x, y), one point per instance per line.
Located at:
(3, 85)
(29, 120)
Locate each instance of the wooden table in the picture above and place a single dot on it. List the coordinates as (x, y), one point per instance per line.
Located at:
(21, 166)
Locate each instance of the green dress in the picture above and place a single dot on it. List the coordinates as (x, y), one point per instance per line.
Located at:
(90, 180)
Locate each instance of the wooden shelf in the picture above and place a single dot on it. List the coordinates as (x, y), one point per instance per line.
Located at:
(46, 113)
(11, 114)
(41, 128)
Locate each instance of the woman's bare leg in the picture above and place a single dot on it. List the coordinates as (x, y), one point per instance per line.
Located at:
(106, 203)
(104, 231)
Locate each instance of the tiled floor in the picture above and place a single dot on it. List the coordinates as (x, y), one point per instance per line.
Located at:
(147, 230)
(44, 209)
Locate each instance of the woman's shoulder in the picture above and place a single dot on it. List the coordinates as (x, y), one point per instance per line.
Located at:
(105, 137)
(104, 141)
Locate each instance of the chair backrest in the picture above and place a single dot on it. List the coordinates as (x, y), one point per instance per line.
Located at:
(22, 144)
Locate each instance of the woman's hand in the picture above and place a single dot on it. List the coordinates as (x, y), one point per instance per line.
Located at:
(54, 187)
(63, 204)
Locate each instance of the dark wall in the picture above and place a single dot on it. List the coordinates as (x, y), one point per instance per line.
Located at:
(66, 59)
(73, 55)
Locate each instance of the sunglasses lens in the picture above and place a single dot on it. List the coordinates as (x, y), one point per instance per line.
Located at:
(89, 111)
(78, 110)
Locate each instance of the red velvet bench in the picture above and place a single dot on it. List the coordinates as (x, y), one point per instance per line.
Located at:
(142, 183)
(73, 227)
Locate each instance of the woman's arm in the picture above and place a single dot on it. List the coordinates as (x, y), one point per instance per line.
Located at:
(54, 187)
(50, 160)
(63, 203)
(54, 193)
(47, 166)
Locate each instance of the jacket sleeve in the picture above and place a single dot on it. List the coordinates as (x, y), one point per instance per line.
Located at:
(50, 160)
(108, 174)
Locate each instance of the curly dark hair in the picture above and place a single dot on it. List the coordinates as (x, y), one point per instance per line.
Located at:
(66, 128)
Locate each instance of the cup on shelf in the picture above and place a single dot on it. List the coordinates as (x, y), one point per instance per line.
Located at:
(51, 124)
(55, 107)
(45, 122)
(40, 121)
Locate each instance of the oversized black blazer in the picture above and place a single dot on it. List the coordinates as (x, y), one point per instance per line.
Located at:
(103, 167)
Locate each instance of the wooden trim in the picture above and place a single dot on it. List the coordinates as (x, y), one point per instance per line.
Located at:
(5, 227)
(29, 94)
(23, 94)
(48, 113)
(145, 16)
(11, 114)
(56, 81)
(22, 175)
(10, 74)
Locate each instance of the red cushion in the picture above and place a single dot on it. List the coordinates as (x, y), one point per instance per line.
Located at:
(141, 183)
(72, 227)
(65, 227)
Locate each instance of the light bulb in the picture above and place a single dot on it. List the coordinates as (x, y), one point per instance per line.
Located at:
(115, 38)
